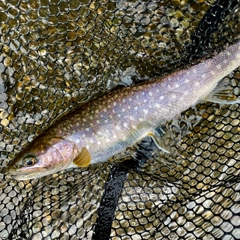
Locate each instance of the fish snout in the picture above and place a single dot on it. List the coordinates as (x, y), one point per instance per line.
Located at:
(10, 170)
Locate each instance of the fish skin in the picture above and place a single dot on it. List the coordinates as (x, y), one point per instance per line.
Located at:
(108, 124)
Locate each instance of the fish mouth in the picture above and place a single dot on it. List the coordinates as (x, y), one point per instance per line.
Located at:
(16, 176)
(25, 173)
(22, 176)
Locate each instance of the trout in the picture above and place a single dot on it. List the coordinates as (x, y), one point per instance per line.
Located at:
(107, 125)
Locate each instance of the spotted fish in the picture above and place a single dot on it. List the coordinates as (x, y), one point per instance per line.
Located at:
(108, 124)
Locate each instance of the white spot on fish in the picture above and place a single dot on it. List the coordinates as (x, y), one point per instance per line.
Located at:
(212, 73)
(144, 100)
(162, 97)
(114, 104)
(177, 85)
(140, 119)
(203, 76)
(131, 118)
(77, 141)
(91, 141)
(196, 83)
(194, 70)
(157, 105)
(163, 84)
(228, 53)
(219, 66)
(145, 111)
(136, 108)
(150, 94)
(99, 133)
(186, 80)
(99, 143)
(125, 125)
(115, 136)
(173, 96)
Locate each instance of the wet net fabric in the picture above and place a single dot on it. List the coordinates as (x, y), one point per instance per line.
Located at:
(57, 55)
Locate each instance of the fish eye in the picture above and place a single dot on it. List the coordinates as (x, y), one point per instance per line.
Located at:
(29, 160)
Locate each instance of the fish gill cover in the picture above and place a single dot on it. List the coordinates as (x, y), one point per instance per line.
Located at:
(56, 55)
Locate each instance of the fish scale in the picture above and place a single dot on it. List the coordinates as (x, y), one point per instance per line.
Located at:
(108, 124)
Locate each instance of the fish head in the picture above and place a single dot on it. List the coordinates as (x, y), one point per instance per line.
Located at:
(42, 157)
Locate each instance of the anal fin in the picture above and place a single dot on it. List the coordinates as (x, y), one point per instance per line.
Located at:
(223, 94)
(83, 159)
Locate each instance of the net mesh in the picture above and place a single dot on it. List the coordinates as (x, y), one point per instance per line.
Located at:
(55, 56)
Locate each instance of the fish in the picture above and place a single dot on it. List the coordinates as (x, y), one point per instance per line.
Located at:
(110, 123)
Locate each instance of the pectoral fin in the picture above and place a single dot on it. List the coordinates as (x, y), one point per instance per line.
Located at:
(158, 143)
(83, 159)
